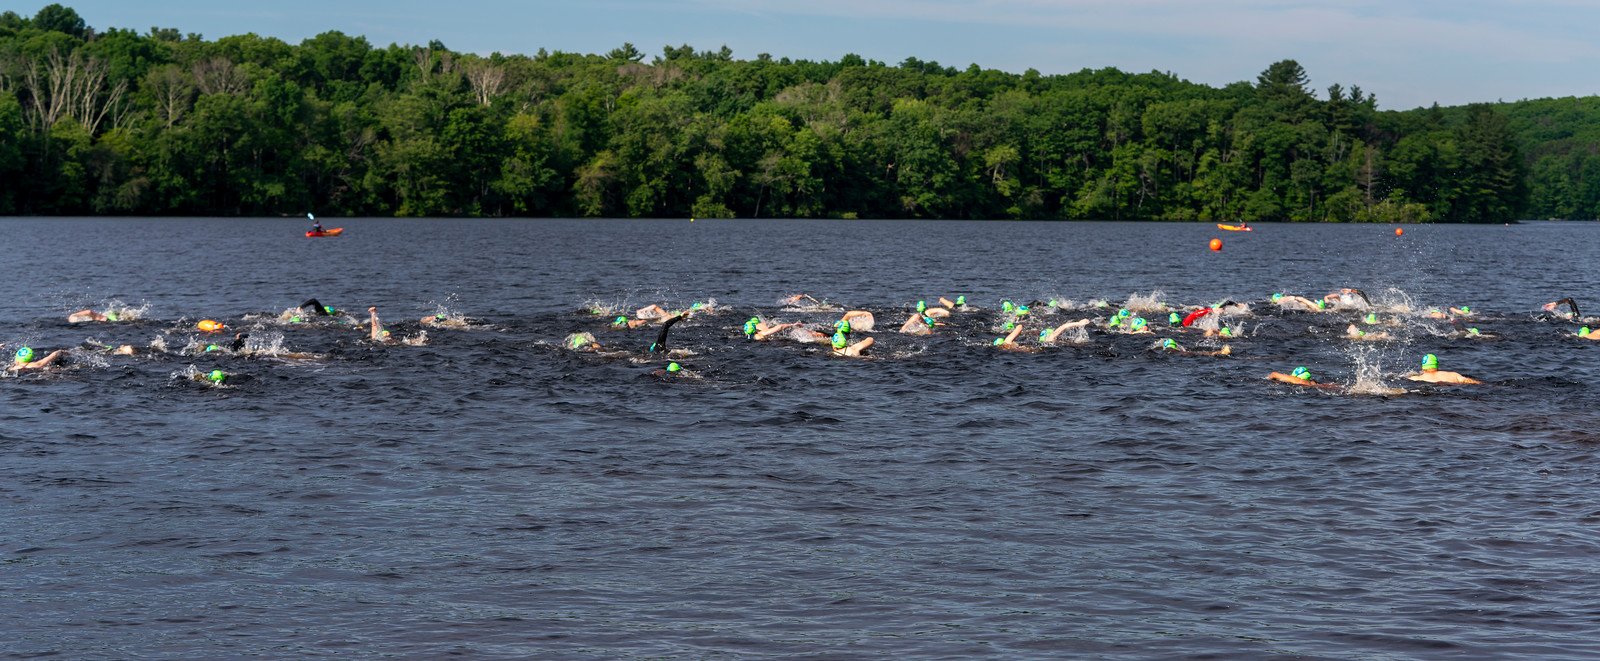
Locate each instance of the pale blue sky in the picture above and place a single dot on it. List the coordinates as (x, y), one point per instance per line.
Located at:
(1408, 52)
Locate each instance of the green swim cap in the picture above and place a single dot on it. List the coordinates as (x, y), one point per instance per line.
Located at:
(217, 376)
(673, 367)
(1301, 373)
(1006, 306)
(619, 321)
(928, 320)
(1138, 323)
(1043, 333)
(1276, 296)
(839, 340)
(1124, 313)
(1466, 308)
(1583, 331)
(294, 319)
(961, 300)
(111, 315)
(1174, 319)
(1322, 305)
(212, 347)
(999, 341)
(579, 340)
(1360, 333)
(1430, 362)
(1225, 331)
(750, 326)
(441, 316)
(1473, 331)
(1371, 318)
(1010, 325)
(843, 325)
(1169, 344)
(922, 306)
(697, 305)
(1115, 320)
(25, 355)
(1051, 303)
(1022, 310)
(329, 309)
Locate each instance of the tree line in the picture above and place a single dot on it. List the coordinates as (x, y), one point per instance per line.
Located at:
(157, 123)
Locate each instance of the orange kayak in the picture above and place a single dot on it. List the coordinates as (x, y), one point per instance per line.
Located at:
(332, 231)
(1234, 228)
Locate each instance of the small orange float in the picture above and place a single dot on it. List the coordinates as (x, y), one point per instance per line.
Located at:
(1216, 245)
(1399, 232)
(209, 326)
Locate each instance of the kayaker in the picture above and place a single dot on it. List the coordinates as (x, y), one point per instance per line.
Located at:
(316, 225)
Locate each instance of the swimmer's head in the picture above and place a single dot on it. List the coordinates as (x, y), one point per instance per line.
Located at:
(329, 309)
(673, 367)
(843, 325)
(1276, 297)
(961, 300)
(999, 341)
(1116, 320)
(1301, 373)
(1430, 363)
(1051, 302)
(1124, 313)
(619, 321)
(1007, 306)
(578, 341)
(1138, 323)
(1583, 331)
(1466, 309)
(1473, 332)
(1322, 304)
(922, 306)
(295, 319)
(839, 340)
(1174, 319)
(217, 376)
(1225, 331)
(1169, 344)
(1044, 334)
(1022, 310)
(1371, 318)
(928, 320)
(697, 306)
(111, 315)
(440, 316)
(1010, 325)
(24, 355)
(212, 347)
(750, 326)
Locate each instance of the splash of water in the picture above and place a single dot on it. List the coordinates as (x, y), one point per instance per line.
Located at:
(1151, 302)
(1367, 359)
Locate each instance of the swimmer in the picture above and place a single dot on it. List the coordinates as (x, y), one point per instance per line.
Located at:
(1299, 303)
(622, 322)
(1300, 376)
(378, 334)
(761, 331)
(795, 299)
(842, 346)
(1348, 298)
(960, 302)
(1354, 333)
(859, 320)
(660, 345)
(918, 324)
(1463, 311)
(1588, 334)
(442, 320)
(1171, 346)
(1231, 308)
(214, 376)
(1551, 308)
(672, 370)
(1475, 334)
(111, 314)
(1050, 335)
(24, 360)
(1009, 342)
(1139, 326)
(581, 342)
(1432, 374)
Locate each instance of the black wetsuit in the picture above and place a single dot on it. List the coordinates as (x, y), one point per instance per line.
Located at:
(238, 342)
(1572, 304)
(316, 307)
(660, 345)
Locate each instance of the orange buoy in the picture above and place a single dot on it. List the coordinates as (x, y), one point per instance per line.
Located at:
(209, 326)
(1399, 232)
(1216, 245)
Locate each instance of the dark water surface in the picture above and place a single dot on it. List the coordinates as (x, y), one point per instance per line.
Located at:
(495, 495)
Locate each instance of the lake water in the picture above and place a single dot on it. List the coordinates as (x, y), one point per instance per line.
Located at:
(495, 495)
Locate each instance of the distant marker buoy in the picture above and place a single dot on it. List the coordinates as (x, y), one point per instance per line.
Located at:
(1216, 245)
(691, 220)
(1399, 232)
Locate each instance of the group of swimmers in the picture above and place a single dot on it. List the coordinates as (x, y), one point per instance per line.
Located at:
(847, 336)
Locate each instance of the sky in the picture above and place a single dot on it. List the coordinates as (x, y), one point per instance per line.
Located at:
(1408, 53)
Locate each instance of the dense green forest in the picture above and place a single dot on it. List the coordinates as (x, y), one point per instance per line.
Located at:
(116, 121)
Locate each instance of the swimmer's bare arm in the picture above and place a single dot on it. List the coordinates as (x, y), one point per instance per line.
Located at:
(773, 330)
